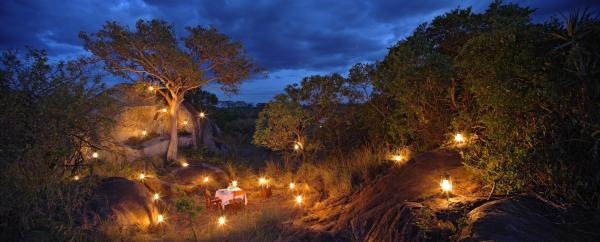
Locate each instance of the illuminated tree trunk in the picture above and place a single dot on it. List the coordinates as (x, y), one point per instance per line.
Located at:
(172, 150)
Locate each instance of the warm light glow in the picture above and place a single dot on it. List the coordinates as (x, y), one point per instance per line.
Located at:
(205, 179)
(299, 199)
(76, 178)
(292, 185)
(156, 196)
(234, 183)
(296, 147)
(221, 220)
(150, 88)
(142, 176)
(185, 164)
(446, 185)
(185, 122)
(202, 115)
(398, 158)
(160, 218)
(164, 110)
(459, 138)
(262, 181)
(144, 132)
(95, 154)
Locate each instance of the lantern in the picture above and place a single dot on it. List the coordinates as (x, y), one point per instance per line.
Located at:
(398, 158)
(185, 122)
(205, 179)
(95, 155)
(185, 164)
(446, 183)
(164, 110)
(76, 178)
(292, 186)
(221, 220)
(142, 176)
(160, 218)
(459, 138)
(202, 115)
(262, 181)
(150, 88)
(144, 133)
(299, 199)
(234, 183)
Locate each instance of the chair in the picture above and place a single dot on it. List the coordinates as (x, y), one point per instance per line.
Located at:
(211, 201)
(238, 203)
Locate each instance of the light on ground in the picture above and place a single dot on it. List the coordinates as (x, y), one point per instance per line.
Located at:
(202, 114)
(292, 186)
(142, 176)
(299, 199)
(160, 218)
(262, 181)
(144, 132)
(221, 220)
(76, 178)
(185, 164)
(205, 179)
(398, 158)
(95, 154)
(164, 110)
(156, 196)
(459, 138)
(150, 88)
(446, 183)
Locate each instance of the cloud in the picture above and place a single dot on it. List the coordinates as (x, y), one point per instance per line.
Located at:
(299, 37)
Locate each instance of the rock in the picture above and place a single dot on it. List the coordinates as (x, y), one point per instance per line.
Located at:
(123, 202)
(386, 209)
(519, 219)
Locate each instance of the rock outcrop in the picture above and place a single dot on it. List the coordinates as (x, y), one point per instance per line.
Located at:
(386, 209)
(522, 218)
(142, 128)
(122, 202)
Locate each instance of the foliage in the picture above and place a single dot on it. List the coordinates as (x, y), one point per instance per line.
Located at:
(51, 115)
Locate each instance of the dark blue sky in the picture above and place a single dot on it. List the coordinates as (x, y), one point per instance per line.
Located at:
(290, 39)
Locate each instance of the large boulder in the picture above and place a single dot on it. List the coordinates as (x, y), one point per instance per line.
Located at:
(521, 219)
(386, 209)
(124, 203)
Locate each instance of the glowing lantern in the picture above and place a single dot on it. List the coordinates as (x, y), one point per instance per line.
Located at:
(160, 218)
(458, 138)
(202, 115)
(76, 178)
(156, 197)
(142, 176)
(296, 147)
(95, 155)
(234, 183)
(446, 183)
(262, 181)
(221, 220)
(185, 122)
(292, 186)
(144, 132)
(299, 199)
(398, 158)
(205, 179)
(185, 164)
(150, 88)
(164, 110)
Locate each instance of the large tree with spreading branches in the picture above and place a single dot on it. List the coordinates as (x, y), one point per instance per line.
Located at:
(152, 53)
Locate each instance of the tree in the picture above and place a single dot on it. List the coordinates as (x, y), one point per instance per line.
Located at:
(152, 53)
(281, 124)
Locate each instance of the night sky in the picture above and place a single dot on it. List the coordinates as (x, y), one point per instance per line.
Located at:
(290, 39)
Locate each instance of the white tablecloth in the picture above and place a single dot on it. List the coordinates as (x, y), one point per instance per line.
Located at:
(226, 196)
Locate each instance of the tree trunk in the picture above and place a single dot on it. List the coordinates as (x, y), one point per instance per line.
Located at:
(194, 131)
(172, 150)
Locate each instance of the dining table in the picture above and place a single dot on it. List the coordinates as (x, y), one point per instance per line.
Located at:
(230, 194)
